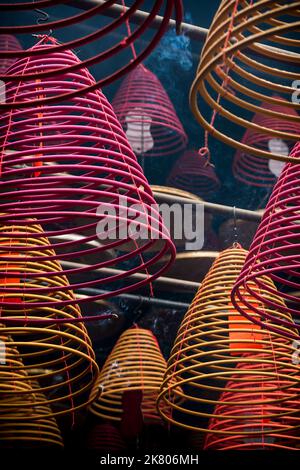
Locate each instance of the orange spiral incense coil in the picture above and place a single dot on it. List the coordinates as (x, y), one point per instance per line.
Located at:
(215, 345)
(251, 54)
(135, 364)
(59, 356)
(26, 419)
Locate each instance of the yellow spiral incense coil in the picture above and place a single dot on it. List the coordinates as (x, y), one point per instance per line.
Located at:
(59, 356)
(135, 364)
(216, 346)
(249, 63)
(25, 416)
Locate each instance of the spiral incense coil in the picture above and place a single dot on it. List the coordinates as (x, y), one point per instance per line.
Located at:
(8, 42)
(112, 44)
(193, 172)
(147, 114)
(254, 170)
(105, 437)
(58, 355)
(67, 166)
(135, 364)
(251, 54)
(215, 346)
(274, 255)
(245, 418)
(26, 419)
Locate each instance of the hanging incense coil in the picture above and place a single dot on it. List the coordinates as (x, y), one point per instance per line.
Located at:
(8, 42)
(26, 419)
(58, 355)
(193, 172)
(105, 437)
(68, 165)
(147, 115)
(244, 418)
(214, 343)
(250, 54)
(111, 45)
(274, 255)
(254, 170)
(135, 364)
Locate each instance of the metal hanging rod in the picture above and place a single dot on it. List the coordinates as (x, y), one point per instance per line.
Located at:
(194, 32)
(137, 298)
(166, 281)
(114, 11)
(212, 207)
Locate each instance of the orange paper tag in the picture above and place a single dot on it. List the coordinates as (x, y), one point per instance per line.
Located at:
(238, 337)
(6, 281)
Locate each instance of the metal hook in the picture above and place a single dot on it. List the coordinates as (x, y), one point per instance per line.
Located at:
(40, 20)
(43, 18)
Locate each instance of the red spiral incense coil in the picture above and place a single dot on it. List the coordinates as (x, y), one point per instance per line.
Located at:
(194, 173)
(254, 170)
(105, 437)
(111, 42)
(255, 413)
(275, 253)
(148, 116)
(65, 166)
(8, 42)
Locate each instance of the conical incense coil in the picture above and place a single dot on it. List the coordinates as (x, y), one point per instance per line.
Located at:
(274, 255)
(246, 417)
(58, 355)
(135, 364)
(105, 437)
(192, 172)
(254, 170)
(250, 55)
(26, 419)
(112, 45)
(213, 341)
(70, 167)
(8, 42)
(147, 115)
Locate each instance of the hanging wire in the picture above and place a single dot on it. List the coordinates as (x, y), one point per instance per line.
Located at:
(235, 230)
(40, 20)
(43, 18)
